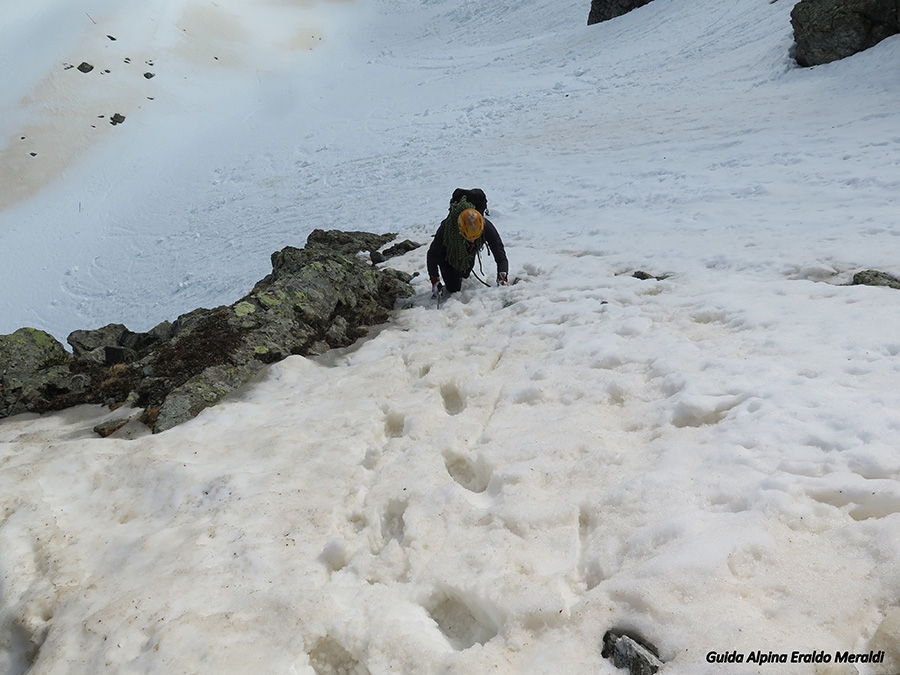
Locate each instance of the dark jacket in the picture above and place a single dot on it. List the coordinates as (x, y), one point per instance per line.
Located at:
(437, 254)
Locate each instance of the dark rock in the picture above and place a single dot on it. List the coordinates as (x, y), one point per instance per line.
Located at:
(603, 10)
(149, 76)
(84, 342)
(116, 119)
(644, 276)
(627, 649)
(141, 342)
(114, 343)
(875, 278)
(828, 30)
(115, 354)
(85, 67)
(402, 248)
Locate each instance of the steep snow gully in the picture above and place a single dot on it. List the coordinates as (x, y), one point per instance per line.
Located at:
(707, 456)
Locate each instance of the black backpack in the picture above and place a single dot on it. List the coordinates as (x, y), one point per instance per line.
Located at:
(475, 197)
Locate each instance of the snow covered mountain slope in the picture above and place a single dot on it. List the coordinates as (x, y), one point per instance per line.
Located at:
(708, 457)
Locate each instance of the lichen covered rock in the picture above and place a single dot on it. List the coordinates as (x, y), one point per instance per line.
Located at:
(875, 278)
(32, 366)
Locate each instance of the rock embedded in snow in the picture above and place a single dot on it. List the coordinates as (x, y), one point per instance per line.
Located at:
(829, 30)
(316, 298)
(630, 651)
(604, 10)
(108, 428)
(645, 276)
(875, 278)
(402, 248)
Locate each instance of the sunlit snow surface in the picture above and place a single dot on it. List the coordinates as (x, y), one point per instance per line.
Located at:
(710, 458)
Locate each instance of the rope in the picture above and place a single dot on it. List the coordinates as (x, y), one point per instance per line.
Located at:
(480, 269)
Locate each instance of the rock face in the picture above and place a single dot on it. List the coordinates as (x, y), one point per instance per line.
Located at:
(316, 298)
(828, 30)
(604, 10)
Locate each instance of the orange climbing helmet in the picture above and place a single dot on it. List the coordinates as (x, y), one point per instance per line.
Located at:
(471, 224)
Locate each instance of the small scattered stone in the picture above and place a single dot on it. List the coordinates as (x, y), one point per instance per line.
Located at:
(33, 154)
(149, 75)
(111, 38)
(107, 429)
(629, 650)
(116, 119)
(127, 60)
(85, 67)
(644, 276)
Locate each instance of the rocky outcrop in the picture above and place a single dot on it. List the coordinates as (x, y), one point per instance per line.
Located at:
(604, 10)
(315, 298)
(828, 30)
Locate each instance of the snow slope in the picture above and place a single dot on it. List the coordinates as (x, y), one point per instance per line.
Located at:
(708, 458)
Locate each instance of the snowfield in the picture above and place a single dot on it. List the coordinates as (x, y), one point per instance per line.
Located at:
(708, 457)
